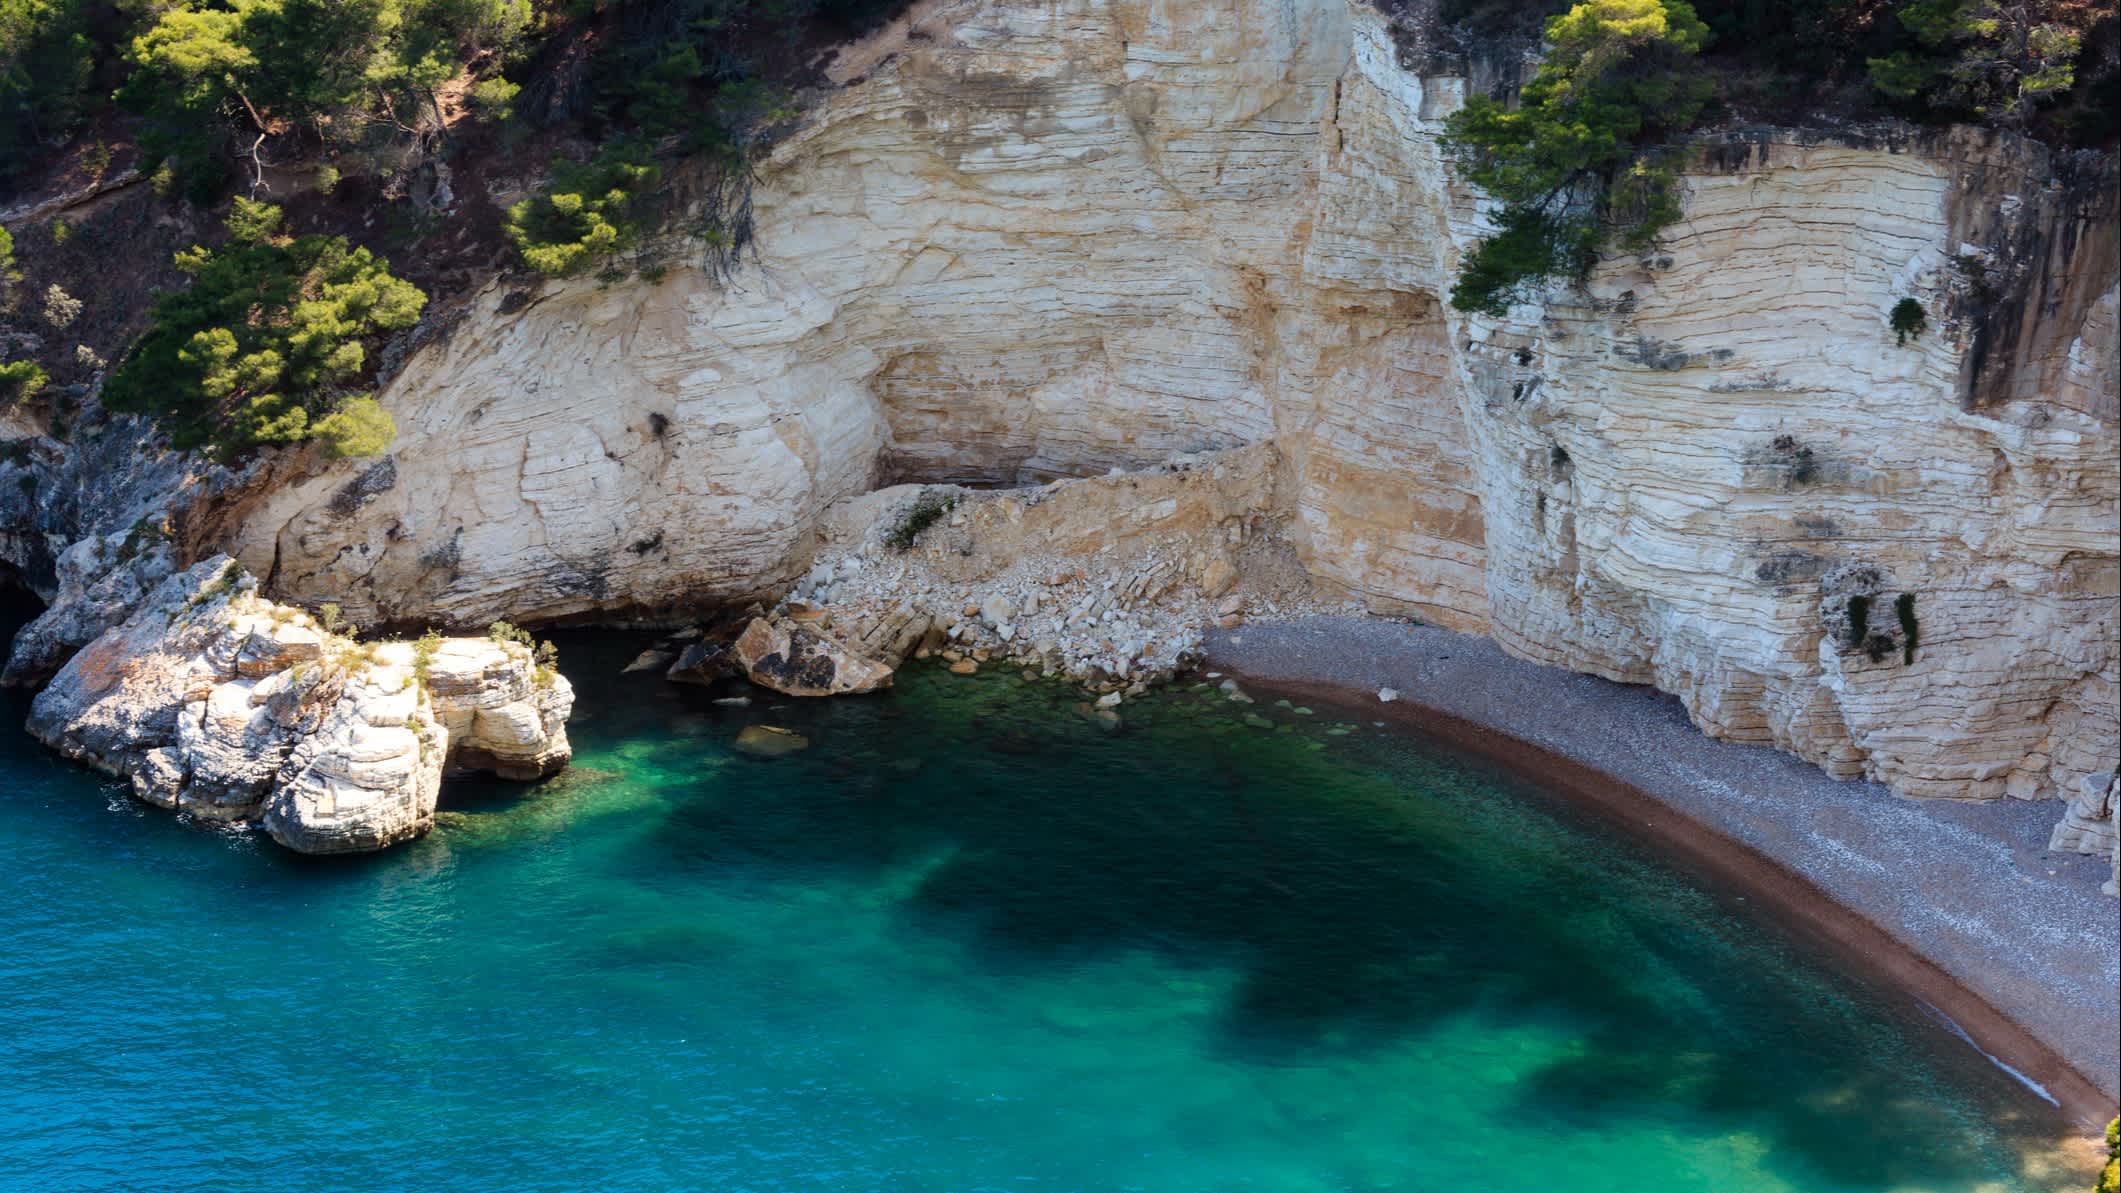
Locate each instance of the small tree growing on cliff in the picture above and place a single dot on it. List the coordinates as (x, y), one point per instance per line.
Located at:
(588, 214)
(1577, 163)
(1909, 319)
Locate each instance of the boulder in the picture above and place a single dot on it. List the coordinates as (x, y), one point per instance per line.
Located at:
(232, 709)
(702, 663)
(770, 741)
(804, 659)
(1217, 577)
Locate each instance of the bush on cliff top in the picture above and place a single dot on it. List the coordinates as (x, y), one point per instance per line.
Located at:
(216, 84)
(20, 380)
(591, 211)
(1578, 164)
(264, 345)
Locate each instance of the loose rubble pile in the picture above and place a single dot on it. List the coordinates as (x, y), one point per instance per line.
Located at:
(1108, 581)
(233, 709)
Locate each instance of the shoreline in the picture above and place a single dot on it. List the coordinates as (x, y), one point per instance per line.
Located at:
(2028, 980)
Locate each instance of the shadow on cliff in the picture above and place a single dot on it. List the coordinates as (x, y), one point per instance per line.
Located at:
(1365, 893)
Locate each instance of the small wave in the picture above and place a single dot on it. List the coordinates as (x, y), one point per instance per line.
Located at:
(118, 797)
(1951, 1025)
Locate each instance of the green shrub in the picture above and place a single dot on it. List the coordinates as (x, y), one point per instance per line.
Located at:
(1910, 630)
(503, 632)
(1998, 58)
(359, 427)
(263, 346)
(1576, 163)
(1859, 619)
(925, 512)
(2110, 1176)
(47, 75)
(423, 656)
(219, 83)
(494, 98)
(589, 213)
(1908, 319)
(20, 380)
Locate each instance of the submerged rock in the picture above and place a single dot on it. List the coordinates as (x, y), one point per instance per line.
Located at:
(225, 706)
(770, 741)
(652, 659)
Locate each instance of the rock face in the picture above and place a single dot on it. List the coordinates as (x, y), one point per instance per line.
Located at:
(232, 709)
(101, 580)
(1038, 241)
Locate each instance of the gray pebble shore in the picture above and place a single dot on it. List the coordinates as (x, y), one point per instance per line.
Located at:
(1970, 887)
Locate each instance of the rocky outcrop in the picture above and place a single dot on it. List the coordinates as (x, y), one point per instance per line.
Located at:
(229, 708)
(1108, 580)
(2089, 824)
(100, 581)
(1037, 242)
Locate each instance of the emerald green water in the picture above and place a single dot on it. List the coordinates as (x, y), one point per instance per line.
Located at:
(970, 940)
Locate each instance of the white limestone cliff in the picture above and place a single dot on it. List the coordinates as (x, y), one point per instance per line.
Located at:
(1033, 241)
(229, 708)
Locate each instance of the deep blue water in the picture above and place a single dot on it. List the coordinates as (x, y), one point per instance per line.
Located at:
(969, 940)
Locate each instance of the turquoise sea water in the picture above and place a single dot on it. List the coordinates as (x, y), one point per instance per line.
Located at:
(969, 940)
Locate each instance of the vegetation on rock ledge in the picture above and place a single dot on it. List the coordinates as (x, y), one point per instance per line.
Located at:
(1578, 164)
(1583, 160)
(588, 213)
(263, 346)
(1908, 319)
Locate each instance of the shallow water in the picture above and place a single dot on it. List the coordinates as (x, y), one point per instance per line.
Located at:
(969, 940)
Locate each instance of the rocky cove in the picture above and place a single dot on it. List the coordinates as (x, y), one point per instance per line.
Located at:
(1072, 331)
(1018, 244)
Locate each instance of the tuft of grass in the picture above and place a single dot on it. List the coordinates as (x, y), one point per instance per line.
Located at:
(423, 656)
(503, 632)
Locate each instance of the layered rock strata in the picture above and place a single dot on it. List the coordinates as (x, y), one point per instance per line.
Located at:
(232, 709)
(1037, 241)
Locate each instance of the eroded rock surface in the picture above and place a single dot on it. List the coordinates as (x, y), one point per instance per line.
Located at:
(100, 581)
(227, 707)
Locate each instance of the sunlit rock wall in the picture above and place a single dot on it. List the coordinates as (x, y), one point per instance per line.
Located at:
(1034, 240)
